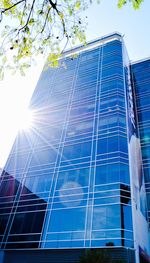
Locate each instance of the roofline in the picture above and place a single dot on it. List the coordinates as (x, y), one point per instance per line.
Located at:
(92, 44)
(139, 61)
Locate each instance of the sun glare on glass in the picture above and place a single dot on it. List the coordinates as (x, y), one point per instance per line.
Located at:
(25, 120)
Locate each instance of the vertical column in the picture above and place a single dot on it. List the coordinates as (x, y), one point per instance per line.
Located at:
(90, 198)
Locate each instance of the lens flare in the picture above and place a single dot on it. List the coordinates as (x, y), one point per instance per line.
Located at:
(25, 120)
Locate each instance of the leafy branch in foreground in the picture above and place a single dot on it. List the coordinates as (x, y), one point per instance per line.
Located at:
(36, 27)
(135, 3)
(33, 27)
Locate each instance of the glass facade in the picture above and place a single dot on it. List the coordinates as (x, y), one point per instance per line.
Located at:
(141, 77)
(66, 183)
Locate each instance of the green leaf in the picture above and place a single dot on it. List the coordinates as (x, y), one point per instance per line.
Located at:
(77, 5)
(31, 21)
(50, 19)
(40, 12)
(55, 64)
(70, 11)
(53, 60)
(6, 3)
(121, 3)
(24, 35)
(27, 30)
(24, 40)
(53, 57)
(61, 15)
(135, 3)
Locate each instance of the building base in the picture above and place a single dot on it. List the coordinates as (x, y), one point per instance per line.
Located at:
(62, 255)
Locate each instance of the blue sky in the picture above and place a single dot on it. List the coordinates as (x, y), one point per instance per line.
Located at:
(134, 25)
(105, 18)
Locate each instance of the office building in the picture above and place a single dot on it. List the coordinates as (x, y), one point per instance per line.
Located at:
(141, 82)
(75, 179)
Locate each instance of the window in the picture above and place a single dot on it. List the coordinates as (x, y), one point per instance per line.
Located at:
(109, 173)
(76, 151)
(79, 177)
(106, 217)
(67, 220)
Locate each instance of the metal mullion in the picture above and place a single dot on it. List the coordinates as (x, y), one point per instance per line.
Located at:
(58, 159)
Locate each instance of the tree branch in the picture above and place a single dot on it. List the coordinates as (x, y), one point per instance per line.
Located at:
(54, 6)
(33, 2)
(46, 20)
(6, 9)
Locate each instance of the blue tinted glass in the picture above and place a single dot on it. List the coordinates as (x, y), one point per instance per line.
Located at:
(72, 169)
(108, 144)
(66, 220)
(107, 174)
(127, 217)
(76, 151)
(106, 217)
(39, 184)
(144, 115)
(80, 177)
(123, 146)
(17, 161)
(34, 225)
(44, 156)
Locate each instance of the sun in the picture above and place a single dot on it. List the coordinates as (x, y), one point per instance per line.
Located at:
(25, 119)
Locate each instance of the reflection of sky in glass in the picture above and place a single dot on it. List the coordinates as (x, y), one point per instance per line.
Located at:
(75, 155)
(70, 194)
(106, 217)
(67, 220)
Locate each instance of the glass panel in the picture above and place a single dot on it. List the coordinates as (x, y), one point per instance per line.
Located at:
(78, 178)
(76, 151)
(34, 225)
(66, 220)
(107, 174)
(106, 217)
(44, 156)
